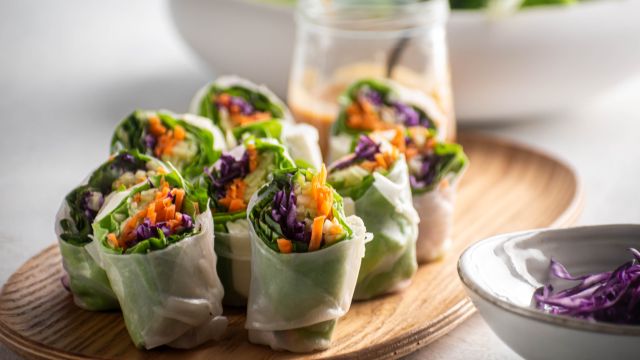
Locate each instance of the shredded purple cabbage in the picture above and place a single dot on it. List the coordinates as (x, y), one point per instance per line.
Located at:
(284, 213)
(187, 221)
(427, 174)
(226, 171)
(245, 107)
(611, 296)
(371, 96)
(149, 141)
(146, 230)
(366, 149)
(409, 116)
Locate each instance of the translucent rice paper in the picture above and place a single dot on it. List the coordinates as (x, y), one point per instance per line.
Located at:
(296, 299)
(436, 222)
(340, 146)
(88, 282)
(387, 211)
(219, 142)
(171, 296)
(302, 141)
(234, 262)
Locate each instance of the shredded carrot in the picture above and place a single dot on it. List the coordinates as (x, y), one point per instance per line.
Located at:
(234, 198)
(179, 198)
(444, 184)
(321, 193)
(253, 157)
(316, 233)
(380, 160)
(240, 119)
(111, 237)
(160, 170)
(179, 133)
(151, 214)
(224, 99)
(398, 139)
(285, 246)
(155, 126)
(166, 139)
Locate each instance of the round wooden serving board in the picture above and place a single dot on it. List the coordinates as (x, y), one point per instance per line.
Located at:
(508, 187)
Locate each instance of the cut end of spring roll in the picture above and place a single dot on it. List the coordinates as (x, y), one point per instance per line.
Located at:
(293, 222)
(156, 247)
(189, 142)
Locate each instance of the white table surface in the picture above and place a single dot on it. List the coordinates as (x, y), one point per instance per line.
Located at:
(70, 70)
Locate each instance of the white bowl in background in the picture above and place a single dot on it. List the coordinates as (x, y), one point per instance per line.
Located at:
(501, 273)
(536, 62)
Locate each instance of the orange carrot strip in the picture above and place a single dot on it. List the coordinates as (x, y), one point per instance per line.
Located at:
(151, 214)
(179, 133)
(179, 198)
(170, 212)
(113, 240)
(237, 205)
(316, 233)
(155, 126)
(285, 246)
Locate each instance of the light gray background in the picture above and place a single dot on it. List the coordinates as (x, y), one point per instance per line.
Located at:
(71, 69)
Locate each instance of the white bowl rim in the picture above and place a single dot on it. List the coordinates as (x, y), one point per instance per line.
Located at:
(534, 314)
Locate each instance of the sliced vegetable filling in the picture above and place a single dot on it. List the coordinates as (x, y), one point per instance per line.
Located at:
(353, 174)
(185, 141)
(374, 107)
(299, 212)
(154, 215)
(238, 105)
(120, 172)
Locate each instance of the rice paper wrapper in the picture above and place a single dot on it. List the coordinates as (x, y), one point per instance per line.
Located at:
(436, 222)
(339, 146)
(171, 296)
(387, 211)
(233, 250)
(88, 282)
(296, 299)
(302, 141)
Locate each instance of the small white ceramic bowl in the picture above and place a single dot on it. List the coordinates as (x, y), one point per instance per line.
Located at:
(501, 273)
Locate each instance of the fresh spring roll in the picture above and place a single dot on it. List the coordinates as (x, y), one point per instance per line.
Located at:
(305, 259)
(435, 169)
(240, 107)
(374, 105)
(188, 142)
(156, 246)
(434, 166)
(230, 183)
(86, 280)
(374, 180)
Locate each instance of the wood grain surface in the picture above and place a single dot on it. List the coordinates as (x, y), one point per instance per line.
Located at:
(508, 187)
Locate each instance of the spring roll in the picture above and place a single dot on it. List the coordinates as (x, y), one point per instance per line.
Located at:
(375, 180)
(434, 166)
(240, 108)
(371, 105)
(305, 259)
(435, 169)
(156, 246)
(230, 183)
(86, 280)
(189, 142)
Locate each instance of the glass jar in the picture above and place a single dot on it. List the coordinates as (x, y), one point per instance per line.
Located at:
(340, 41)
